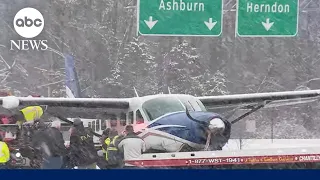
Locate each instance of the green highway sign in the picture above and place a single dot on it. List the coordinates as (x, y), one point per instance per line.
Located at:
(267, 18)
(180, 17)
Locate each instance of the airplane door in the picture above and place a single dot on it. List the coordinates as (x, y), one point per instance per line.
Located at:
(139, 117)
(140, 123)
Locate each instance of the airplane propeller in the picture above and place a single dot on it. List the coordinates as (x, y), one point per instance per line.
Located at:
(216, 125)
(213, 127)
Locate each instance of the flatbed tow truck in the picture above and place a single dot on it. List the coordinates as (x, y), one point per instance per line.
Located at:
(284, 158)
(275, 158)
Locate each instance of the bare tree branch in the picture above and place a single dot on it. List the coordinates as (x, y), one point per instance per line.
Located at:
(8, 67)
(55, 51)
(6, 77)
(50, 83)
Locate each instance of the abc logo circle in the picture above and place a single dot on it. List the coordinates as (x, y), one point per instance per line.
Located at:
(28, 22)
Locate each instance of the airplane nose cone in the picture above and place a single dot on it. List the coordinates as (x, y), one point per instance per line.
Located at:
(216, 125)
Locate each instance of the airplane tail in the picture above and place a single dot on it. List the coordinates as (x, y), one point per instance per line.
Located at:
(72, 82)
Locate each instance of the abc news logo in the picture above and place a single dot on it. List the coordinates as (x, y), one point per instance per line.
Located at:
(28, 23)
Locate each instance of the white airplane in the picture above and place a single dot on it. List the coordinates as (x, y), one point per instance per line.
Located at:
(167, 122)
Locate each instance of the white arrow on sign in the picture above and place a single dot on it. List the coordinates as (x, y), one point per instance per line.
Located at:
(150, 23)
(267, 25)
(210, 24)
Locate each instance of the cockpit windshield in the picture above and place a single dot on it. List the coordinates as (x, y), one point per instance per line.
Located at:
(155, 108)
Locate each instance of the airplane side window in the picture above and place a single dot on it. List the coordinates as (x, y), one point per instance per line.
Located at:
(203, 108)
(139, 118)
(188, 105)
(191, 107)
(103, 124)
(131, 117)
(89, 124)
(97, 125)
(123, 119)
(93, 125)
(196, 106)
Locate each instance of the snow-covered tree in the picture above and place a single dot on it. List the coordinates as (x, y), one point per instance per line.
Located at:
(184, 72)
(135, 68)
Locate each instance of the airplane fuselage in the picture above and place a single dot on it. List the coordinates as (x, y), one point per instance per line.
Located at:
(161, 121)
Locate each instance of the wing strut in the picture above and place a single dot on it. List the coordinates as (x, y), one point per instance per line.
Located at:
(249, 112)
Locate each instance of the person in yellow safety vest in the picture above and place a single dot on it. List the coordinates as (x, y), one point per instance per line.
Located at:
(4, 154)
(102, 153)
(28, 114)
(32, 113)
(104, 141)
(113, 157)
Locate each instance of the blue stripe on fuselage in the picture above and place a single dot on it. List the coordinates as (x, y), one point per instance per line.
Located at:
(193, 131)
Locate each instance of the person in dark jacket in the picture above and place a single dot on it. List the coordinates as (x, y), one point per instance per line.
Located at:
(50, 143)
(82, 150)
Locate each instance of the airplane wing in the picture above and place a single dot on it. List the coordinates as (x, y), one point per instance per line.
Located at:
(75, 107)
(223, 100)
(120, 103)
(82, 107)
(248, 101)
(256, 101)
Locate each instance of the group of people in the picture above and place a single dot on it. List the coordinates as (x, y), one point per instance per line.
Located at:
(48, 145)
(120, 148)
